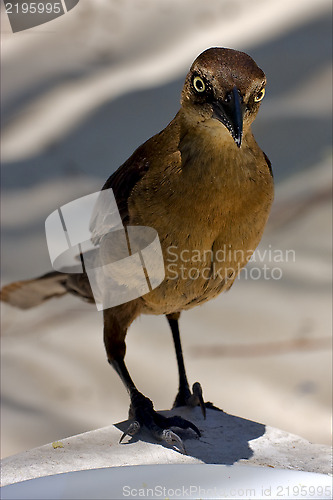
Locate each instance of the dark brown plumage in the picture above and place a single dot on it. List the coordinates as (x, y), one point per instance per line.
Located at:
(206, 187)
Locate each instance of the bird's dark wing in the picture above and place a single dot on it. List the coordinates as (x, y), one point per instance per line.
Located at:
(122, 182)
(268, 164)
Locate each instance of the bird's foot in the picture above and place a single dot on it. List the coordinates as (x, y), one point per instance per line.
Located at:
(187, 398)
(143, 414)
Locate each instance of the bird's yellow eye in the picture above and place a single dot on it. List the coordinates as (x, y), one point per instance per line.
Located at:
(260, 95)
(199, 84)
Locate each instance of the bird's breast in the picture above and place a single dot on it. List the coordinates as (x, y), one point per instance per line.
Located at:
(210, 215)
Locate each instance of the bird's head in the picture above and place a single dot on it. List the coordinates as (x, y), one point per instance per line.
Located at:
(223, 88)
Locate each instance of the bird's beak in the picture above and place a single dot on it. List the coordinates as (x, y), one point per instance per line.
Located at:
(230, 113)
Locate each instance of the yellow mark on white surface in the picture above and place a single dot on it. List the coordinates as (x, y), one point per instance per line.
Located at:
(57, 444)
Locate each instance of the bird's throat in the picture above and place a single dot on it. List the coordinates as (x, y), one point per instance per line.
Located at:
(209, 152)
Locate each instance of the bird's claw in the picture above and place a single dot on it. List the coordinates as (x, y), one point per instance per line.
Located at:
(133, 428)
(197, 392)
(180, 422)
(160, 426)
(173, 439)
(186, 398)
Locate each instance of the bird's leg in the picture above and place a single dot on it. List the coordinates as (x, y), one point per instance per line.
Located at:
(141, 409)
(143, 414)
(184, 396)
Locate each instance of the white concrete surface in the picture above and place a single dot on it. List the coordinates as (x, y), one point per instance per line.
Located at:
(226, 439)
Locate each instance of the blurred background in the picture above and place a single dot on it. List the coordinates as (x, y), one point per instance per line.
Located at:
(79, 94)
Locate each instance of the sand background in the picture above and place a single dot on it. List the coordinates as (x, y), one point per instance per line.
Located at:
(78, 95)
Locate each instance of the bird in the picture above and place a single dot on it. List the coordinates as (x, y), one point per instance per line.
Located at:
(206, 187)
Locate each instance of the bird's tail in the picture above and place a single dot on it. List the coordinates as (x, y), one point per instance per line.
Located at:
(31, 293)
